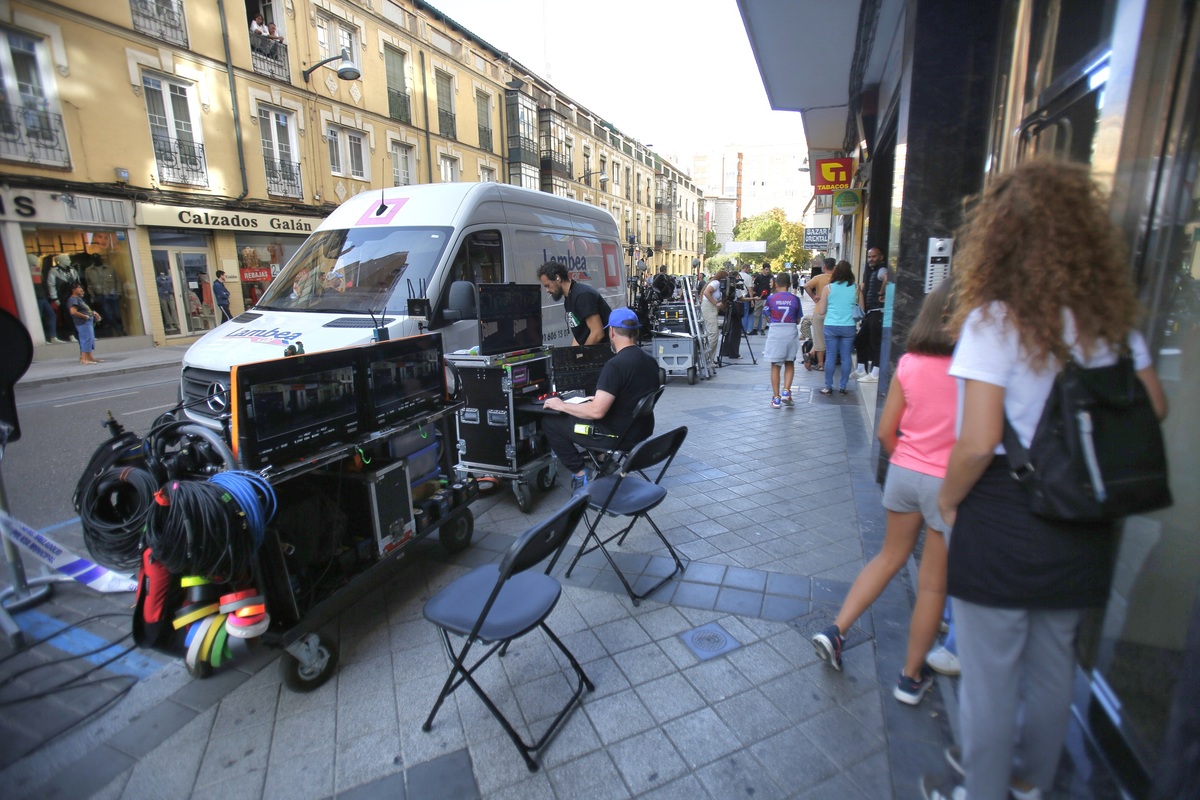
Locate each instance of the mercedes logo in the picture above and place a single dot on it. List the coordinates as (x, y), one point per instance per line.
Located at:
(218, 397)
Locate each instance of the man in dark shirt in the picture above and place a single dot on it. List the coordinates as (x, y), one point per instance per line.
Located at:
(587, 312)
(760, 291)
(221, 295)
(607, 417)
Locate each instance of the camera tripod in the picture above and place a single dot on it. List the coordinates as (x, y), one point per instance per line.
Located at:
(732, 321)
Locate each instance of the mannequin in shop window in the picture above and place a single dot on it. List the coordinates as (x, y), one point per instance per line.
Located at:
(41, 288)
(104, 287)
(60, 277)
(166, 300)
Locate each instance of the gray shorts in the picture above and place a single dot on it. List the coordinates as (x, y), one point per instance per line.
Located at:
(906, 491)
(783, 343)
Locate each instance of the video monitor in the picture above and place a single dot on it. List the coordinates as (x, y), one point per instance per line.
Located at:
(294, 407)
(510, 317)
(405, 379)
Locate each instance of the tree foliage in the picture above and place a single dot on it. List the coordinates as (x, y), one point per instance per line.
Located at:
(711, 247)
(785, 240)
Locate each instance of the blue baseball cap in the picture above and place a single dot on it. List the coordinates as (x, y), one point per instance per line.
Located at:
(623, 318)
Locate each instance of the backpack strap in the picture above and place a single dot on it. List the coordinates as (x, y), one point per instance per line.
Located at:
(1018, 456)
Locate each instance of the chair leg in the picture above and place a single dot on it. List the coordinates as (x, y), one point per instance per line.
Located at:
(619, 536)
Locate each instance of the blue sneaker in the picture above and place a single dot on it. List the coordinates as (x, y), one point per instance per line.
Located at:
(775, 403)
(787, 398)
(828, 644)
(909, 690)
(579, 481)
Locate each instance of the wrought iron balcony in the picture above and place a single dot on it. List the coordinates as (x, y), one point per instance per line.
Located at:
(283, 178)
(446, 124)
(180, 161)
(162, 19)
(485, 138)
(398, 106)
(269, 58)
(27, 134)
(555, 162)
(522, 150)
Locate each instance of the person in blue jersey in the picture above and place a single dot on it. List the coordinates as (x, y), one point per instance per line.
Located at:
(783, 338)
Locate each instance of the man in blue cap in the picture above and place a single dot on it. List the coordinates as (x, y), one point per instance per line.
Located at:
(629, 375)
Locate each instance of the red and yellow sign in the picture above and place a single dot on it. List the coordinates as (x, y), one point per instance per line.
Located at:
(832, 174)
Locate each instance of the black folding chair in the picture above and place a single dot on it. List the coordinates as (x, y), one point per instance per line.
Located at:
(631, 493)
(606, 459)
(498, 603)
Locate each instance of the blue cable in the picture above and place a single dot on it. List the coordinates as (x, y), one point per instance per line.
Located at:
(255, 497)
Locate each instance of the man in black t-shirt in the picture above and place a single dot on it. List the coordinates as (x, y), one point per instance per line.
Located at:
(607, 417)
(761, 290)
(587, 312)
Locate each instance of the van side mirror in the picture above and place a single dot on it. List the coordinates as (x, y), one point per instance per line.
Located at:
(462, 304)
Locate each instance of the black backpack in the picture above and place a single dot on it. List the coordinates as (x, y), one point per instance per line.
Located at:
(1097, 452)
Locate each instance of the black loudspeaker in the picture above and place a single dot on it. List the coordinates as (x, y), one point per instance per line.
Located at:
(15, 358)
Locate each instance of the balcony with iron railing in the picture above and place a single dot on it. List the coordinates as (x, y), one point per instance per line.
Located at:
(446, 124)
(162, 19)
(555, 162)
(180, 161)
(485, 138)
(283, 178)
(269, 58)
(522, 150)
(399, 106)
(33, 136)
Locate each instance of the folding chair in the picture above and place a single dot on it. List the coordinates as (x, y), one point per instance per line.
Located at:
(630, 493)
(498, 603)
(607, 460)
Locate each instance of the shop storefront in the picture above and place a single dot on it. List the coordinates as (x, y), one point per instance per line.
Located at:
(52, 239)
(186, 247)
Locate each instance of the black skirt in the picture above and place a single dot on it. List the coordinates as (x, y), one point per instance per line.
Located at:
(1002, 555)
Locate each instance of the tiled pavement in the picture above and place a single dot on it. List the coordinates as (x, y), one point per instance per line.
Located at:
(776, 510)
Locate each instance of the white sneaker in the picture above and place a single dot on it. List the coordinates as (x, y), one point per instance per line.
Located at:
(942, 660)
(870, 377)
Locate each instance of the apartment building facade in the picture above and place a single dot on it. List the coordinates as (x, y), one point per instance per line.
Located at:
(156, 142)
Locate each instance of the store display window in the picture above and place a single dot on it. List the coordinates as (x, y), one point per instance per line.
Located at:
(260, 257)
(100, 260)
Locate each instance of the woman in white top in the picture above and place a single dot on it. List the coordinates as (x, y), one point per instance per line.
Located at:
(1019, 583)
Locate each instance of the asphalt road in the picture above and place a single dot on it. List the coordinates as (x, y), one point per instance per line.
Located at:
(61, 425)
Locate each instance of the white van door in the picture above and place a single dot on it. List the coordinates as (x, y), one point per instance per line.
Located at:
(479, 258)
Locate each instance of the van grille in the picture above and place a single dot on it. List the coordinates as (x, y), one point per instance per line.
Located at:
(357, 322)
(206, 394)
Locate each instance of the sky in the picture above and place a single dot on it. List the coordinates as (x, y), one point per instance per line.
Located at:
(677, 75)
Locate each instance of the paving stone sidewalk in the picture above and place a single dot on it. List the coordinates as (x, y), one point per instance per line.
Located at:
(777, 511)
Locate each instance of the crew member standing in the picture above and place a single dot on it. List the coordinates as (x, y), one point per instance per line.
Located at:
(587, 311)
(221, 295)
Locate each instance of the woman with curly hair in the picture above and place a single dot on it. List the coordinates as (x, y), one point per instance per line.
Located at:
(1018, 582)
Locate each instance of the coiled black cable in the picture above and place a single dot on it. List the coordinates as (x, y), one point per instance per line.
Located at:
(113, 510)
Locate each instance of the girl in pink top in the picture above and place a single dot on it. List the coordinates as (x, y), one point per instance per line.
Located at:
(917, 428)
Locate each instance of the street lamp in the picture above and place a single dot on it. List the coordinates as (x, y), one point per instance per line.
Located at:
(346, 70)
(600, 172)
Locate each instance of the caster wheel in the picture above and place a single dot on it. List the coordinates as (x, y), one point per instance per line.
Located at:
(691, 376)
(301, 678)
(456, 535)
(201, 670)
(524, 496)
(546, 478)
(662, 377)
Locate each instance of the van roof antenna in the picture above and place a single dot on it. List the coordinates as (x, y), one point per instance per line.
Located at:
(383, 206)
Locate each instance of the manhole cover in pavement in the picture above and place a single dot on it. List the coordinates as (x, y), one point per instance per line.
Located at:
(709, 640)
(814, 622)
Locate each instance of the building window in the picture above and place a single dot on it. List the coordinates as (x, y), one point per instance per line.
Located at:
(335, 35)
(445, 104)
(487, 175)
(448, 167)
(277, 129)
(397, 85)
(31, 129)
(347, 152)
(175, 131)
(483, 114)
(402, 169)
(162, 19)
(525, 175)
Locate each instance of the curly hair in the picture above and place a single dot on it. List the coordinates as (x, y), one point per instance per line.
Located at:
(1039, 240)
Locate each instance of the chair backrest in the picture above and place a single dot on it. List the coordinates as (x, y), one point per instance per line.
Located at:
(642, 409)
(547, 537)
(645, 406)
(659, 450)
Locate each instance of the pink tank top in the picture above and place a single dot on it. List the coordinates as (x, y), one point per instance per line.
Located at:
(930, 411)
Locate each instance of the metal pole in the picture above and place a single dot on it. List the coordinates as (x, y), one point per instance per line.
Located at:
(18, 596)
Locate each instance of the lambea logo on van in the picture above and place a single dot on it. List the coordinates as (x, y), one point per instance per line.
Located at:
(576, 265)
(272, 336)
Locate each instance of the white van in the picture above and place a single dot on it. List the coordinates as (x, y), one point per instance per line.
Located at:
(358, 270)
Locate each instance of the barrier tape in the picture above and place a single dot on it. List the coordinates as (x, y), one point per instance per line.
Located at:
(61, 560)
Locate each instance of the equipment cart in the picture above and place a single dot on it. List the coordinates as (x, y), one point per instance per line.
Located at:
(676, 355)
(495, 436)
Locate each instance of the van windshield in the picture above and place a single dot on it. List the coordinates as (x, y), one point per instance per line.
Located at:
(357, 270)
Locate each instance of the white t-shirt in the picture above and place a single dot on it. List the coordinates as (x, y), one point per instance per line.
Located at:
(989, 351)
(716, 293)
(747, 284)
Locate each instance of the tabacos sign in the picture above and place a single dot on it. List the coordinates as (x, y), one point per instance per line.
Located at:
(832, 174)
